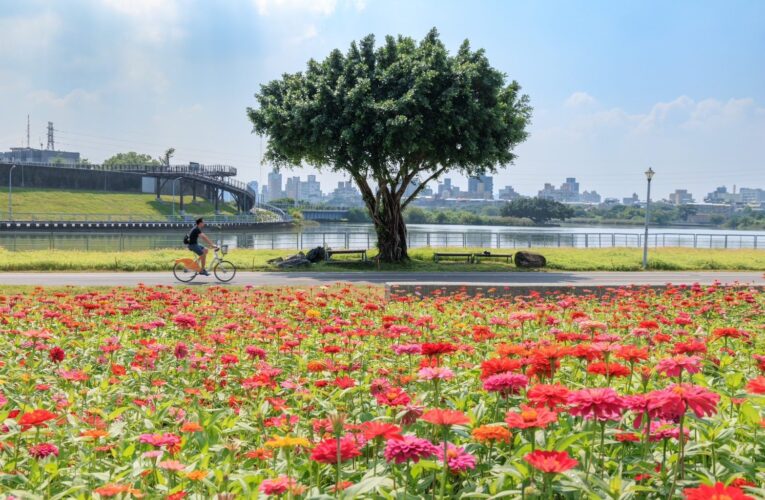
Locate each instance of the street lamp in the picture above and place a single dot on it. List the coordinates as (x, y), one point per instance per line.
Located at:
(174, 181)
(648, 175)
(10, 192)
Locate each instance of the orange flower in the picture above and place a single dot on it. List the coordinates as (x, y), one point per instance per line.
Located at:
(196, 475)
(191, 427)
(445, 417)
(113, 489)
(94, 434)
(492, 433)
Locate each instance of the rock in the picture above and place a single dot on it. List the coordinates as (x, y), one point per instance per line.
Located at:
(294, 261)
(529, 259)
(276, 260)
(317, 254)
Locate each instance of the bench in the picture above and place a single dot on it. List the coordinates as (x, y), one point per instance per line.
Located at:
(439, 255)
(479, 256)
(362, 253)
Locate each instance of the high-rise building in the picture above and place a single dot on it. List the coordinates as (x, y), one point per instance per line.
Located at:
(508, 193)
(481, 187)
(310, 190)
(680, 197)
(292, 188)
(752, 195)
(275, 185)
(345, 195)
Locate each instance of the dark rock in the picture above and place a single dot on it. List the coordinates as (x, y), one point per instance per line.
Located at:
(529, 259)
(294, 261)
(317, 254)
(276, 260)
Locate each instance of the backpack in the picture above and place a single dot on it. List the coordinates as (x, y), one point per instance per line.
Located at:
(186, 240)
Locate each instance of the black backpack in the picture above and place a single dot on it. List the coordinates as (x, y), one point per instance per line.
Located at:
(186, 240)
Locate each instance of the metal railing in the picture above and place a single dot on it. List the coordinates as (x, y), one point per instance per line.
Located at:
(205, 170)
(55, 217)
(116, 241)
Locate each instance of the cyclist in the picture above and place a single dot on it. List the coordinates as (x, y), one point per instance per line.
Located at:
(192, 240)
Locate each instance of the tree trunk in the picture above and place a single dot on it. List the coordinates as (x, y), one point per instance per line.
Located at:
(391, 231)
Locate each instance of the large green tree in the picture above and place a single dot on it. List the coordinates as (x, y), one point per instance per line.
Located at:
(539, 210)
(130, 158)
(392, 115)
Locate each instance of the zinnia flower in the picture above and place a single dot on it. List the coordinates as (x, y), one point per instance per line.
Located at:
(505, 383)
(35, 418)
(326, 451)
(43, 450)
(445, 417)
(673, 401)
(439, 373)
(596, 404)
(56, 354)
(551, 462)
(674, 366)
(550, 395)
(530, 417)
(457, 458)
(373, 430)
(409, 447)
(717, 492)
(492, 433)
(756, 385)
(277, 486)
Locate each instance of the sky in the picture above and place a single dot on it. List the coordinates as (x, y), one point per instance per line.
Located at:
(616, 86)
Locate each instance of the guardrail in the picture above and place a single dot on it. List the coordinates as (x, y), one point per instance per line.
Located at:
(58, 217)
(117, 241)
(205, 170)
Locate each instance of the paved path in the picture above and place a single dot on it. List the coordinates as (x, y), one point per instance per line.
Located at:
(320, 278)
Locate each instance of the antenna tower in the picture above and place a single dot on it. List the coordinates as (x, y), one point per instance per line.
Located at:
(51, 145)
(27, 131)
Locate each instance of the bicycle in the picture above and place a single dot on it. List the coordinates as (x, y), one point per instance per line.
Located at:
(186, 270)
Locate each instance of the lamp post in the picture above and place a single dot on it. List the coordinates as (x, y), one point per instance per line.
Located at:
(10, 192)
(648, 175)
(174, 181)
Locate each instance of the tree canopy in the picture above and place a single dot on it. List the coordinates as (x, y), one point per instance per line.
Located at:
(402, 113)
(130, 158)
(539, 210)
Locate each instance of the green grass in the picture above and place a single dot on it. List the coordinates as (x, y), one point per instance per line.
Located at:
(67, 202)
(564, 259)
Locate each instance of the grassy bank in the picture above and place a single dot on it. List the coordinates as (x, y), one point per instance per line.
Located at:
(66, 202)
(564, 259)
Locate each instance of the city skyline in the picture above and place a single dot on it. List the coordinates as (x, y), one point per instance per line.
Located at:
(618, 91)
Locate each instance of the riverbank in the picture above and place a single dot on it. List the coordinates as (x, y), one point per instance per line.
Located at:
(561, 259)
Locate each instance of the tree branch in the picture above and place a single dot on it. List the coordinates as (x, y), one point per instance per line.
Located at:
(422, 185)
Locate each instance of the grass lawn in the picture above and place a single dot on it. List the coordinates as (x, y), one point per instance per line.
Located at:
(567, 259)
(66, 202)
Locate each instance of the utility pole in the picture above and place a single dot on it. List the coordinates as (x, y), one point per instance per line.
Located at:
(51, 145)
(27, 131)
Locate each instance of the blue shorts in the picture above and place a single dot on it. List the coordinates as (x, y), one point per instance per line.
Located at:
(197, 249)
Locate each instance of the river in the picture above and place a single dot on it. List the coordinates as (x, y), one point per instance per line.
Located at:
(361, 235)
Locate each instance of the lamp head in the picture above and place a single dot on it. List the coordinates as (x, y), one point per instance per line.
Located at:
(649, 174)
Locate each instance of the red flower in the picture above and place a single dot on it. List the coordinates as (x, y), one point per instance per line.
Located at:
(445, 417)
(395, 396)
(599, 404)
(717, 492)
(608, 369)
(326, 451)
(495, 366)
(56, 355)
(551, 462)
(548, 395)
(373, 430)
(438, 348)
(35, 418)
(530, 417)
(756, 385)
(631, 353)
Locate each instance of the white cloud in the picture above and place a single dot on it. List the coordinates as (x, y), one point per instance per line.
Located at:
(314, 7)
(579, 99)
(27, 37)
(309, 33)
(48, 98)
(152, 20)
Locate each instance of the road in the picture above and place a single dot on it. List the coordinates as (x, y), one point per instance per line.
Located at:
(322, 278)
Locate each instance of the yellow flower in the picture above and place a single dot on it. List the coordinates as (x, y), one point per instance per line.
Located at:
(313, 314)
(287, 442)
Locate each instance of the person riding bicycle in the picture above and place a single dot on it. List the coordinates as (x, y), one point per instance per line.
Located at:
(192, 240)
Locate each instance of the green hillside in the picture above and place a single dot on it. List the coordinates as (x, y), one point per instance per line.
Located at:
(63, 203)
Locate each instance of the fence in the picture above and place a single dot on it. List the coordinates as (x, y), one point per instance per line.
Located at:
(17, 241)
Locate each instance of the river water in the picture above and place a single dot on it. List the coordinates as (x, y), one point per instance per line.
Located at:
(361, 235)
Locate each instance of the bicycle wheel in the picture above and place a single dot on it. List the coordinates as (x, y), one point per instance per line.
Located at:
(224, 271)
(182, 274)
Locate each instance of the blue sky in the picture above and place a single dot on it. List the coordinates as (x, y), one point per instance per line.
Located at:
(616, 86)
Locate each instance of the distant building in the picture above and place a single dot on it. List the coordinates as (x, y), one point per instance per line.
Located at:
(710, 213)
(292, 188)
(508, 193)
(32, 155)
(632, 200)
(345, 195)
(590, 197)
(570, 190)
(275, 186)
(446, 190)
(568, 193)
(680, 197)
(481, 187)
(610, 202)
(310, 190)
(752, 196)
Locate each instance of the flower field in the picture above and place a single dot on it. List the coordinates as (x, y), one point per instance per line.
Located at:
(336, 392)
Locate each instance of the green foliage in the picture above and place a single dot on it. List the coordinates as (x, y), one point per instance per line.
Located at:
(538, 210)
(130, 158)
(390, 115)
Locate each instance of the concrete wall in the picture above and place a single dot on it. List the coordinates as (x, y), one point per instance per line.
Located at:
(66, 178)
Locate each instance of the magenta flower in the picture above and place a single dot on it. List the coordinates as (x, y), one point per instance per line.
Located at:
(506, 383)
(457, 458)
(409, 448)
(43, 450)
(674, 366)
(596, 404)
(436, 373)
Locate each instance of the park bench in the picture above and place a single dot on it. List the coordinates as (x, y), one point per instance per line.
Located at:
(362, 253)
(440, 255)
(480, 256)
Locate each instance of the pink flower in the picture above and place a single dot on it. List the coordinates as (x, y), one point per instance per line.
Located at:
(596, 404)
(277, 486)
(185, 320)
(3, 400)
(505, 383)
(167, 439)
(437, 373)
(181, 350)
(43, 450)
(409, 447)
(672, 402)
(457, 458)
(674, 366)
(173, 465)
(255, 352)
(407, 349)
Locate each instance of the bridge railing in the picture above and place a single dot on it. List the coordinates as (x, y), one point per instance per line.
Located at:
(203, 170)
(55, 217)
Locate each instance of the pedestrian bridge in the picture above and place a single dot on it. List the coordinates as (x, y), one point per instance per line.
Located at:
(325, 214)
